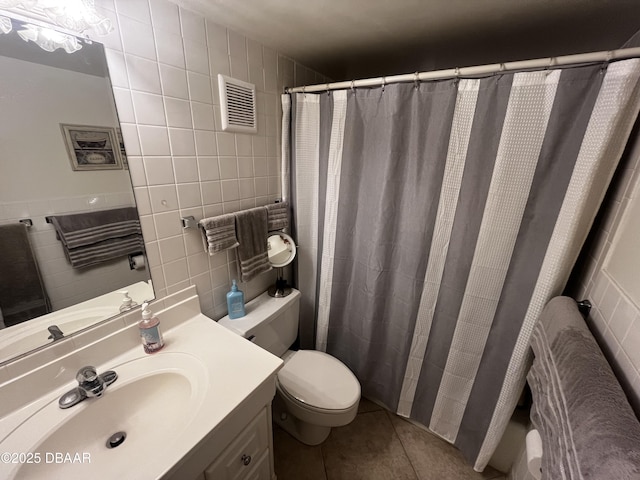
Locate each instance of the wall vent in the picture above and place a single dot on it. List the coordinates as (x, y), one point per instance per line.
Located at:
(237, 105)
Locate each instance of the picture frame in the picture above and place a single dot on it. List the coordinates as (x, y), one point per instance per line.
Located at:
(123, 153)
(91, 147)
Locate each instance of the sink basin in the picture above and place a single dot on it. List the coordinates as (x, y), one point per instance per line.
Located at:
(155, 397)
(34, 333)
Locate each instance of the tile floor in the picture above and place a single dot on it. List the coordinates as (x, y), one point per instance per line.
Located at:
(377, 445)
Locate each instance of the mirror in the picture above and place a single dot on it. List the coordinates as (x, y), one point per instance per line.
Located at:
(61, 154)
(281, 250)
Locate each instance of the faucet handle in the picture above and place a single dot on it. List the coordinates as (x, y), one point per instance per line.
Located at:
(90, 381)
(87, 374)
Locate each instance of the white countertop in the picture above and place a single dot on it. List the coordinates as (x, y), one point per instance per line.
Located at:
(234, 370)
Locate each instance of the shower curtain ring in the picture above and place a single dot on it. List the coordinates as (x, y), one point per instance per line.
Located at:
(328, 93)
(416, 80)
(607, 60)
(384, 83)
(353, 86)
(304, 87)
(552, 62)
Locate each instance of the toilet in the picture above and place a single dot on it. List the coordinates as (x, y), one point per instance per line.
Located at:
(314, 391)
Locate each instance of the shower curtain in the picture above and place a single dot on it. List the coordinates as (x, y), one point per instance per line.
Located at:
(436, 220)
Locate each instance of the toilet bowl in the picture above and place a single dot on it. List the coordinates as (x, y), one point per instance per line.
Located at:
(314, 391)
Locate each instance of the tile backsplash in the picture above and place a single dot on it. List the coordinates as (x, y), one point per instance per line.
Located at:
(614, 318)
(164, 61)
(66, 286)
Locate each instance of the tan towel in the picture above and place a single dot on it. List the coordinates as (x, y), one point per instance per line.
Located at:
(251, 228)
(218, 233)
(277, 216)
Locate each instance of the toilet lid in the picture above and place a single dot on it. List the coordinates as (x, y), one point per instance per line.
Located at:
(319, 380)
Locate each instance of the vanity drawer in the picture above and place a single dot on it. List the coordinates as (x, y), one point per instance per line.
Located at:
(239, 460)
(261, 470)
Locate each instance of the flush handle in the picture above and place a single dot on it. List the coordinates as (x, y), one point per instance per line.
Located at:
(246, 460)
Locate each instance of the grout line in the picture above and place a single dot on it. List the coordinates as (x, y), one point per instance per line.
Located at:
(324, 467)
(401, 443)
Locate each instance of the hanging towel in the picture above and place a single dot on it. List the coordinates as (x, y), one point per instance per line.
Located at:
(103, 251)
(277, 216)
(22, 292)
(95, 237)
(218, 233)
(588, 428)
(83, 229)
(251, 228)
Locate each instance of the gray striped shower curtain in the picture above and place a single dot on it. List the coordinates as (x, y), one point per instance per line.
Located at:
(435, 222)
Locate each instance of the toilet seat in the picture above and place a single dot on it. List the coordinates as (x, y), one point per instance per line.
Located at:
(319, 381)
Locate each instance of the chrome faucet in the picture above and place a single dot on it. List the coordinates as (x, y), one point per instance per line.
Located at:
(56, 333)
(90, 384)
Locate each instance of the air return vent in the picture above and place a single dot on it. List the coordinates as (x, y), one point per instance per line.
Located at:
(237, 105)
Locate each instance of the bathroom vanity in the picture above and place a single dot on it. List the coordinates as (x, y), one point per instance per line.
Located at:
(198, 409)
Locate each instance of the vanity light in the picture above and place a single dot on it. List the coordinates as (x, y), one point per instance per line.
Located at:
(74, 15)
(5, 25)
(49, 40)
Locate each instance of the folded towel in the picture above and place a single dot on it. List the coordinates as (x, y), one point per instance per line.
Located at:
(277, 216)
(105, 250)
(218, 233)
(587, 426)
(83, 229)
(22, 292)
(251, 227)
(95, 237)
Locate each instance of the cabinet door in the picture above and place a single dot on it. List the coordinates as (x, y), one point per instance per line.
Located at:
(245, 453)
(261, 470)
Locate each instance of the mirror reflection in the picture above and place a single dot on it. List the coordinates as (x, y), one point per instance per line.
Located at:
(70, 238)
(281, 250)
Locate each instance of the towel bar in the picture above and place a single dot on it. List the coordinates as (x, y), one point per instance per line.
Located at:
(189, 222)
(584, 306)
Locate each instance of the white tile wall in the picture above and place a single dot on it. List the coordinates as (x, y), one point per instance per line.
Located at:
(614, 319)
(164, 62)
(65, 285)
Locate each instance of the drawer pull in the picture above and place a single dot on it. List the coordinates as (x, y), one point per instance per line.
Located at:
(246, 460)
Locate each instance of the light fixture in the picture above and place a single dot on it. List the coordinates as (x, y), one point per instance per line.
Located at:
(48, 39)
(75, 15)
(5, 24)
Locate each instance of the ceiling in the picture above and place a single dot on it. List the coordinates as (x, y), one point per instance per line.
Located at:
(348, 39)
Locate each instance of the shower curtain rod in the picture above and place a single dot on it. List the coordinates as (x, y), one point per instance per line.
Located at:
(541, 63)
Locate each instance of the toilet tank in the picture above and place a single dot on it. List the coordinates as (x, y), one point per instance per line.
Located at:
(271, 323)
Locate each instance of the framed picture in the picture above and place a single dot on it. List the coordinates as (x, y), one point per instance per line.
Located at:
(92, 148)
(123, 153)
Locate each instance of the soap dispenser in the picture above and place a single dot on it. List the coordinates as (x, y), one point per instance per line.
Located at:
(150, 331)
(127, 302)
(235, 302)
